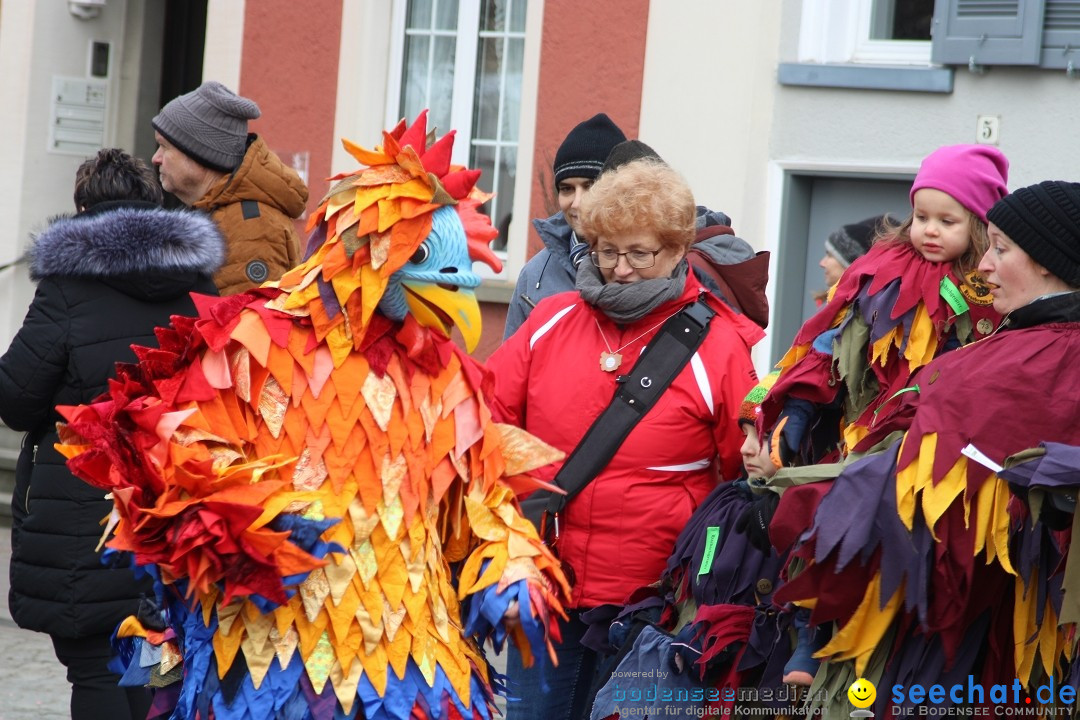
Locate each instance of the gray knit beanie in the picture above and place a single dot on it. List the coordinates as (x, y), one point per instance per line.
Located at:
(849, 242)
(209, 125)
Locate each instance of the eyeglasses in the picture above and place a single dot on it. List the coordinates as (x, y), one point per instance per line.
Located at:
(638, 259)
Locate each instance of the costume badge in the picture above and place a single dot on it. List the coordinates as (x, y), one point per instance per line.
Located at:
(976, 290)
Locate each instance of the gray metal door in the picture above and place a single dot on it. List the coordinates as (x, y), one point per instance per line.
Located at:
(814, 206)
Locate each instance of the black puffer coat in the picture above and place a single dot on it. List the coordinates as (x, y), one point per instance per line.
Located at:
(107, 278)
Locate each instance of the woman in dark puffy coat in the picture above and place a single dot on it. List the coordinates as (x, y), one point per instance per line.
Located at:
(106, 278)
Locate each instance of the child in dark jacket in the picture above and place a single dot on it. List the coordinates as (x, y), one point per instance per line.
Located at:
(710, 619)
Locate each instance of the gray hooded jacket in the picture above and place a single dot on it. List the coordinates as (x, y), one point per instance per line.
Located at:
(549, 272)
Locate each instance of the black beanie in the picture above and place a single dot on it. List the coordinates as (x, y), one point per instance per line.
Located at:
(627, 152)
(1044, 220)
(849, 242)
(583, 152)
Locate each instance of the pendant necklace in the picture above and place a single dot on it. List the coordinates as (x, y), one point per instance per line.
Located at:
(610, 360)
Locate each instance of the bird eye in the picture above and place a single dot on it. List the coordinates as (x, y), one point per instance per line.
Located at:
(421, 255)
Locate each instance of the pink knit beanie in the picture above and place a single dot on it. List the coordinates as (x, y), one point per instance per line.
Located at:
(974, 175)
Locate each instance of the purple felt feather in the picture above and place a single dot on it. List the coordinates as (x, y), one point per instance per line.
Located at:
(315, 241)
(737, 565)
(329, 298)
(845, 521)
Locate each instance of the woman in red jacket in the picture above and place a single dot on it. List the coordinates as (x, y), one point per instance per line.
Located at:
(558, 373)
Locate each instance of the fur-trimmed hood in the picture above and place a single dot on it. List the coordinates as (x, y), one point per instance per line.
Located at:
(125, 241)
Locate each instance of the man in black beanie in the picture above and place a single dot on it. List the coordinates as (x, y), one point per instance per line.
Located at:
(209, 161)
(578, 162)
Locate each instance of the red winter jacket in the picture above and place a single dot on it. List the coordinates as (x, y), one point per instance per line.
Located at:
(618, 532)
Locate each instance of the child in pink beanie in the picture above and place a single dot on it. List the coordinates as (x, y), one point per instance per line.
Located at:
(914, 295)
(973, 175)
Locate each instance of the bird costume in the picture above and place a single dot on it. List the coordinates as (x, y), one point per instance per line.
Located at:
(1048, 479)
(891, 312)
(916, 552)
(311, 473)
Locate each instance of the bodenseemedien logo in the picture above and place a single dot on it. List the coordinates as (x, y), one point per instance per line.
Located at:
(861, 694)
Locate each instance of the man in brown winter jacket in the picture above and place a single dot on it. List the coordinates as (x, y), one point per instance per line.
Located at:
(209, 161)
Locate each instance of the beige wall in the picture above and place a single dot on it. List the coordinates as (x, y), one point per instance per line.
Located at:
(1037, 109)
(712, 107)
(223, 51)
(707, 102)
(43, 39)
(899, 128)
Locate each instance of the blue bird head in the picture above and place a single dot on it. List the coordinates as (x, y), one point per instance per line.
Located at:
(436, 284)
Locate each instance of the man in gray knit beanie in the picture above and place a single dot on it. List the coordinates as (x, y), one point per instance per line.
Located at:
(210, 125)
(207, 158)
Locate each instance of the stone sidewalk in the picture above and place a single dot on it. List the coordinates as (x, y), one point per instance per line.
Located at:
(32, 682)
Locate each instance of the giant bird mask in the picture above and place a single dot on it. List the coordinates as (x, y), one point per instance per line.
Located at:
(399, 236)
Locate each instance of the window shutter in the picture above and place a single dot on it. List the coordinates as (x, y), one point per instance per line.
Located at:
(987, 32)
(1061, 34)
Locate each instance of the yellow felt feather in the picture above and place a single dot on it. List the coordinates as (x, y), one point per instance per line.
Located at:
(860, 635)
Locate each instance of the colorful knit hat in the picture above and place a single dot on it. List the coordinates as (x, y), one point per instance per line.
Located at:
(974, 175)
(751, 404)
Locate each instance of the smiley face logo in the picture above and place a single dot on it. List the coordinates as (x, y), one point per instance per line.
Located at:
(862, 693)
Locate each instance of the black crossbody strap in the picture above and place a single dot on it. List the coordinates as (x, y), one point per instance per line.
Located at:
(659, 364)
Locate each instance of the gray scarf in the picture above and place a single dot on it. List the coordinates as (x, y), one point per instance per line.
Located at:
(629, 303)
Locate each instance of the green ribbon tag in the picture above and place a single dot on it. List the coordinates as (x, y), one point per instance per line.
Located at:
(953, 296)
(712, 536)
(898, 393)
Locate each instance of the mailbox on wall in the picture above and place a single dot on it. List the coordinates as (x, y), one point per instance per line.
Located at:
(77, 115)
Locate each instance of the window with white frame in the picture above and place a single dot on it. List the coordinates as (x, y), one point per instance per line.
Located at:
(896, 32)
(463, 60)
(1041, 33)
(886, 32)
